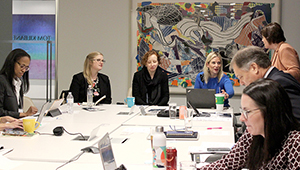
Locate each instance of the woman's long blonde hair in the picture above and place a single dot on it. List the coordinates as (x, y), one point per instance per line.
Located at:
(87, 66)
(206, 71)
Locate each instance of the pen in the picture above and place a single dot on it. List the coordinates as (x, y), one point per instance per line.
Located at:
(210, 128)
(124, 140)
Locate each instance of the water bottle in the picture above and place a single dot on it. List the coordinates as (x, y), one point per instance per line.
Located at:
(159, 149)
(89, 96)
(70, 101)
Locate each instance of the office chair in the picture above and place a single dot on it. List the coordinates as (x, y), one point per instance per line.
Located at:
(27, 102)
(64, 94)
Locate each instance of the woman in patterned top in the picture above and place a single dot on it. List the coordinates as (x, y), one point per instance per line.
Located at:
(272, 138)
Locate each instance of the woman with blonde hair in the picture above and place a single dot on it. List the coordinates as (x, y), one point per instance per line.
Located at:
(91, 76)
(213, 77)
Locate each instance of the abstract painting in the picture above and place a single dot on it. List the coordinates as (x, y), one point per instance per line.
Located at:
(184, 33)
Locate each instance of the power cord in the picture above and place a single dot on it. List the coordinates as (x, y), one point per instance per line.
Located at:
(71, 160)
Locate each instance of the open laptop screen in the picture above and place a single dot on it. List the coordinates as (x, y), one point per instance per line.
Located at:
(201, 98)
(106, 153)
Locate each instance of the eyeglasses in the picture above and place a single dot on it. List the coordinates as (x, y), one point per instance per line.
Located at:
(99, 60)
(24, 67)
(246, 112)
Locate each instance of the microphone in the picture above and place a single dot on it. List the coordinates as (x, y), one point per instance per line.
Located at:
(103, 97)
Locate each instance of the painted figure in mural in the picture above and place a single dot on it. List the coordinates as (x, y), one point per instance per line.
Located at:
(90, 76)
(273, 133)
(14, 83)
(150, 85)
(285, 57)
(252, 63)
(213, 77)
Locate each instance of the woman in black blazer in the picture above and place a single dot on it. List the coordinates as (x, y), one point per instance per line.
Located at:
(14, 82)
(150, 85)
(91, 76)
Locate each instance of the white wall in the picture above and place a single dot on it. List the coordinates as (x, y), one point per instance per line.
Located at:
(94, 25)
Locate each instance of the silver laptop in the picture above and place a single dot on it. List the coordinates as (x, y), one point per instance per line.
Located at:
(92, 136)
(106, 153)
(201, 98)
(42, 112)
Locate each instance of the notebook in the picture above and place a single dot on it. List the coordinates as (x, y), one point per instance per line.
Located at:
(201, 98)
(92, 135)
(106, 153)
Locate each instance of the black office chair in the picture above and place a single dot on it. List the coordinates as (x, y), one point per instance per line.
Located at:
(239, 128)
(64, 94)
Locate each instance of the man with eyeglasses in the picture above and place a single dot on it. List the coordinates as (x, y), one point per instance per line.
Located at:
(252, 63)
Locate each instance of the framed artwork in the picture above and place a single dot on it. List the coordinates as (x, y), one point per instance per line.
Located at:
(185, 32)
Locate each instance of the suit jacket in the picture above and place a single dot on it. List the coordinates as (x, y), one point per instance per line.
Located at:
(139, 88)
(8, 100)
(79, 87)
(292, 87)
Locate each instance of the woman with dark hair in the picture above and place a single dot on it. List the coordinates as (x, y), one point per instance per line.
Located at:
(213, 77)
(272, 138)
(150, 85)
(14, 83)
(285, 57)
(100, 83)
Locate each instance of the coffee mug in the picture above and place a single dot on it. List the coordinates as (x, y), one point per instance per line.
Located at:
(29, 125)
(130, 101)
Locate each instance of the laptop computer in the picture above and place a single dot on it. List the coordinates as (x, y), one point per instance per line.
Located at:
(201, 98)
(92, 135)
(54, 108)
(106, 153)
(42, 112)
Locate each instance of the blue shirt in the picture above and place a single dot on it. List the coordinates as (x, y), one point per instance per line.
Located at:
(224, 84)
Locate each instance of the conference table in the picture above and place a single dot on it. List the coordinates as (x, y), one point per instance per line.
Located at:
(129, 132)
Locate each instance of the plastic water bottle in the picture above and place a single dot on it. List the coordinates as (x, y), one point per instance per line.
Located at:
(89, 96)
(70, 101)
(159, 149)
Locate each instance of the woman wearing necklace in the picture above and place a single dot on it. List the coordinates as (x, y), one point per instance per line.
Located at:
(91, 76)
(150, 85)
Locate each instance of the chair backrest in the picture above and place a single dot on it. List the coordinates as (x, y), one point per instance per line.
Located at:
(129, 92)
(27, 102)
(64, 94)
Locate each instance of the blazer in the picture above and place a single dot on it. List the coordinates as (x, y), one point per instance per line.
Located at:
(139, 88)
(292, 87)
(8, 100)
(79, 87)
(285, 58)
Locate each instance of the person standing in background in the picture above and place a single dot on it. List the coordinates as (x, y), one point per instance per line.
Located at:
(285, 57)
(90, 76)
(14, 83)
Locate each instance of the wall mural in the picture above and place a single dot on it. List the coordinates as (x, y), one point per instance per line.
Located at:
(184, 33)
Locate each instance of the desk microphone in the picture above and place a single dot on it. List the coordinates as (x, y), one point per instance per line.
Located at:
(59, 130)
(103, 97)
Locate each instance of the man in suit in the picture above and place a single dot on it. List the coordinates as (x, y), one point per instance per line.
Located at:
(252, 63)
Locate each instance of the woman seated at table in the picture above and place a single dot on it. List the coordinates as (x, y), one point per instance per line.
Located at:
(213, 77)
(272, 138)
(90, 76)
(7, 122)
(14, 83)
(150, 85)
